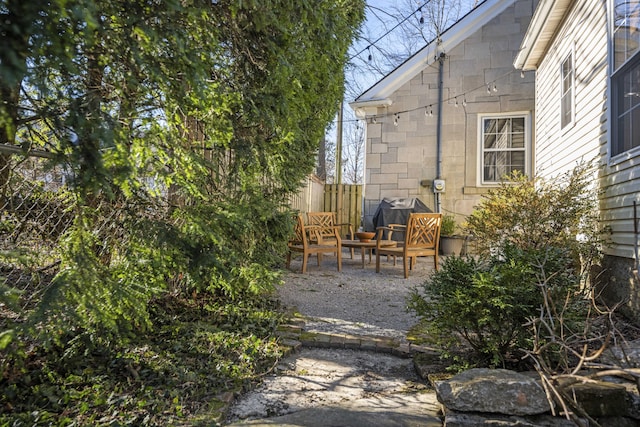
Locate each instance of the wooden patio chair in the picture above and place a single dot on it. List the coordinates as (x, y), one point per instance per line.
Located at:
(421, 238)
(327, 224)
(389, 230)
(302, 243)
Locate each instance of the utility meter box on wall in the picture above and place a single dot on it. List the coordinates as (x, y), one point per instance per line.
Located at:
(438, 186)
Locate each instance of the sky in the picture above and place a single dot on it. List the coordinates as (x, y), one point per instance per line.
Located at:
(381, 18)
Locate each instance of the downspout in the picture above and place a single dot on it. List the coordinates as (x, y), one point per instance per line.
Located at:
(636, 236)
(439, 129)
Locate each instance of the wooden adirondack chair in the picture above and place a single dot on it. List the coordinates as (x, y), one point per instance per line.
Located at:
(421, 238)
(327, 223)
(306, 241)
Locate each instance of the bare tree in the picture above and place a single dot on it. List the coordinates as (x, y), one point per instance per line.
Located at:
(353, 154)
(329, 160)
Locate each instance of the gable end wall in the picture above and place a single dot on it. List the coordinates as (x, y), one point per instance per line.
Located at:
(400, 158)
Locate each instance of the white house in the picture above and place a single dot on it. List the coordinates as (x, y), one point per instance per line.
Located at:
(449, 122)
(586, 57)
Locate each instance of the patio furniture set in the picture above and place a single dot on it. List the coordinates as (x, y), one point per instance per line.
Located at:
(320, 235)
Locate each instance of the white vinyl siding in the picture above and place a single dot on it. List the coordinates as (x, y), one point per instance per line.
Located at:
(583, 35)
(622, 181)
(584, 32)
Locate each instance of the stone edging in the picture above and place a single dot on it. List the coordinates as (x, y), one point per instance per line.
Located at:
(293, 336)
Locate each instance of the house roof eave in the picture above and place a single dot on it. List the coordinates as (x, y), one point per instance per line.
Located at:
(369, 107)
(543, 26)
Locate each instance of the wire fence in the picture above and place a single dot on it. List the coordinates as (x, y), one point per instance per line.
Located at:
(37, 209)
(33, 216)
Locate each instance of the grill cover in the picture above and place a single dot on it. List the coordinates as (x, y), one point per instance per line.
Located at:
(396, 211)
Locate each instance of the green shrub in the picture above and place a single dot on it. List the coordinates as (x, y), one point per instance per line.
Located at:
(526, 292)
(448, 227)
(485, 303)
(562, 212)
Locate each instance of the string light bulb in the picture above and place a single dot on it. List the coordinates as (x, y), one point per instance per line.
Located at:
(488, 89)
(395, 120)
(495, 88)
(464, 101)
(456, 104)
(373, 120)
(421, 16)
(370, 56)
(522, 74)
(428, 111)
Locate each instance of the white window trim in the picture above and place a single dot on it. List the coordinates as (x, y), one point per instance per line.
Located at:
(480, 144)
(572, 121)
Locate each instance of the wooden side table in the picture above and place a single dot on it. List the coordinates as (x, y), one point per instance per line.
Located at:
(367, 246)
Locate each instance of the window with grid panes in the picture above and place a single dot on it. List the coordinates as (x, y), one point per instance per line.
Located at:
(504, 145)
(566, 100)
(625, 79)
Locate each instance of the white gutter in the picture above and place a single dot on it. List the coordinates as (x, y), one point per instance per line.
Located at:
(369, 107)
(539, 35)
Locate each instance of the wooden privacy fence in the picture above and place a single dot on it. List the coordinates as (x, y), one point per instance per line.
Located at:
(310, 198)
(343, 199)
(346, 201)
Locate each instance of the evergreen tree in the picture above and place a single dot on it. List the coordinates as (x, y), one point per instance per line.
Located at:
(183, 125)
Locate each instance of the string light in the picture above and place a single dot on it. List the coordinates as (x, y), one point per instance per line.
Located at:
(428, 109)
(522, 74)
(421, 17)
(369, 50)
(456, 104)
